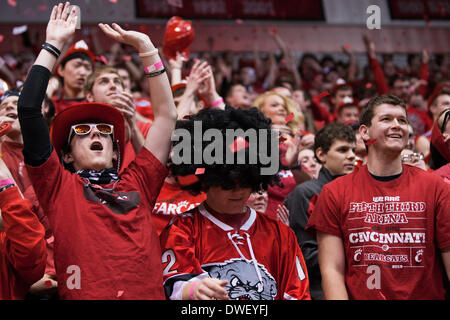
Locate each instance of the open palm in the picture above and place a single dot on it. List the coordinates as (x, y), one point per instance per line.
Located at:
(136, 39)
(61, 25)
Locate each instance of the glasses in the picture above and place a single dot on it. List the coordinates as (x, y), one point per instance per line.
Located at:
(412, 157)
(83, 129)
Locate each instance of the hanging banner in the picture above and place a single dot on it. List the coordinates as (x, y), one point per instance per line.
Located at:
(233, 9)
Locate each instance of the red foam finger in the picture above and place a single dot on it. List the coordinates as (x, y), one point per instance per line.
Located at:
(289, 117)
(368, 143)
(187, 180)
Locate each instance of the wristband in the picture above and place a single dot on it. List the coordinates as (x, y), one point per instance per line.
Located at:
(156, 73)
(154, 67)
(217, 102)
(52, 49)
(191, 292)
(6, 187)
(149, 53)
(6, 182)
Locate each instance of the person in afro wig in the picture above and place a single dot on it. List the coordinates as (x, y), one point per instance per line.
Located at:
(221, 173)
(223, 249)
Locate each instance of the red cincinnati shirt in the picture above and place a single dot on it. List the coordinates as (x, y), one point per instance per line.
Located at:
(391, 231)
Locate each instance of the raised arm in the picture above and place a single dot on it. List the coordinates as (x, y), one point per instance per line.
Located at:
(158, 138)
(36, 138)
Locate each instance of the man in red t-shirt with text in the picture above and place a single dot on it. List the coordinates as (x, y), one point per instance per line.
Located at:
(383, 229)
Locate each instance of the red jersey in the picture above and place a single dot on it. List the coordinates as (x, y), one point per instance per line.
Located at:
(22, 246)
(390, 232)
(171, 201)
(261, 261)
(106, 246)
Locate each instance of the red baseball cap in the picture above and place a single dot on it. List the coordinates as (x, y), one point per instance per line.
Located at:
(88, 112)
(178, 37)
(79, 46)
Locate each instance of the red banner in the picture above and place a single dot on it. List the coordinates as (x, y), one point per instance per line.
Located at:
(420, 9)
(232, 9)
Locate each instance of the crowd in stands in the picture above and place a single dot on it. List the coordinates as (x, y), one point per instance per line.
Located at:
(84, 216)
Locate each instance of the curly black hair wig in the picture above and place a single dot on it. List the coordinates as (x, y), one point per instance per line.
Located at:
(223, 172)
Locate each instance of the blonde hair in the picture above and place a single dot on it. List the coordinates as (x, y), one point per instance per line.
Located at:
(289, 105)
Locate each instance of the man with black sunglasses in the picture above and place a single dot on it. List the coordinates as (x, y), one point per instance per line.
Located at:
(105, 243)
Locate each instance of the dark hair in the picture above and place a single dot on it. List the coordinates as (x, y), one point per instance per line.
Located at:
(398, 77)
(341, 88)
(225, 175)
(75, 55)
(365, 118)
(330, 133)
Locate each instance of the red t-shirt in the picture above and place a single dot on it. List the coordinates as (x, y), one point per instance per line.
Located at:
(390, 231)
(171, 201)
(62, 104)
(22, 246)
(261, 260)
(106, 246)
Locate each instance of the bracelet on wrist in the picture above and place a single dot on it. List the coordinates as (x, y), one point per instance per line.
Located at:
(5, 182)
(191, 292)
(149, 53)
(217, 102)
(52, 49)
(7, 187)
(156, 73)
(154, 67)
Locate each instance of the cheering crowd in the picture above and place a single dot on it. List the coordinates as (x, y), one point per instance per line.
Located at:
(96, 204)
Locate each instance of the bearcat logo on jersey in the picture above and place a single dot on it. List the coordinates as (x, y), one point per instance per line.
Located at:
(243, 281)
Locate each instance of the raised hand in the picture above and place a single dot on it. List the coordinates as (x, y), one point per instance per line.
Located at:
(61, 26)
(139, 40)
(199, 73)
(283, 214)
